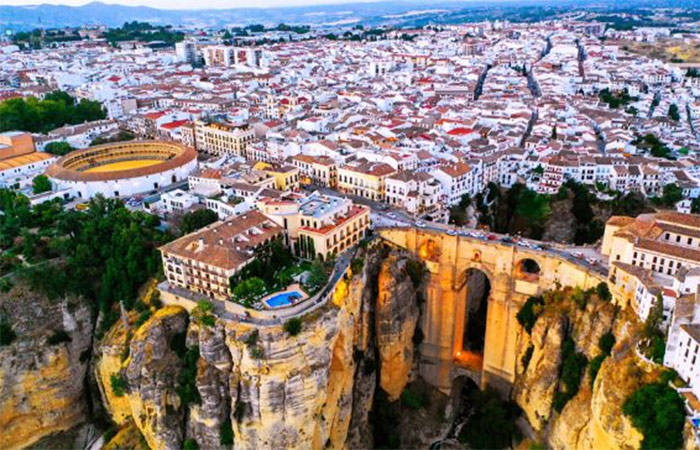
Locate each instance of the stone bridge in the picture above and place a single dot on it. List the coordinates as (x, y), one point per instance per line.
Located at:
(475, 288)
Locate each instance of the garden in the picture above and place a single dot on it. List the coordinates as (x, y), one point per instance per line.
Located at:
(273, 269)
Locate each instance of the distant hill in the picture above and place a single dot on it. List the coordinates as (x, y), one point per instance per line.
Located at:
(397, 13)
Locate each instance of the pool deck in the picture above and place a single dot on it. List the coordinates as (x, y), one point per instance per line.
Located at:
(292, 288)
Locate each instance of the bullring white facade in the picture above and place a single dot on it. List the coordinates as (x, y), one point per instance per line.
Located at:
(172, 162)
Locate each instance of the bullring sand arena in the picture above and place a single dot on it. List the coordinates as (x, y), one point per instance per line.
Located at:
(123, 168)
(122, 165)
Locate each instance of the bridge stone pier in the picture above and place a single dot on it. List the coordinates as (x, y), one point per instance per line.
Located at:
(463, 272)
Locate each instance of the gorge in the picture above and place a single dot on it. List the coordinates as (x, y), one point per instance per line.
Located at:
(383, 363)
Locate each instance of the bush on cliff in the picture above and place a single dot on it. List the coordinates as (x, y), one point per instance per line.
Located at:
(190, 444)
(527, 316)
(226, 432)
(187, 389)
(7, 335)
(293, 326)
(658, 412)
(603, 291)
(573, 364)
(58, 337)
(118, 384)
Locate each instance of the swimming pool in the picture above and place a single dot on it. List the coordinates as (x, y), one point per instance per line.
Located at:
(282, 299)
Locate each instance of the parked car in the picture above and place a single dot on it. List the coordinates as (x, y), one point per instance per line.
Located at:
(578, 255)
(420, 224)
(492, 237)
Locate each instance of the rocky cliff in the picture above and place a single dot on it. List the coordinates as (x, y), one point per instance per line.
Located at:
(42, 370)
(273, 389)
(593, 417)
(173, 377)
(396, 319)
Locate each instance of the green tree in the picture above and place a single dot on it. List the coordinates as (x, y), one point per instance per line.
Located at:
(58, 148)
(695, 206)
(673, 113)
(603, 291)
(249, 291)
(293, 326)
(194, 220)
(458, 215)
(658, 412)
(671, 194)
(652, 324)
(317, 276)
(41, 184)
(491, 423)
(57, 109)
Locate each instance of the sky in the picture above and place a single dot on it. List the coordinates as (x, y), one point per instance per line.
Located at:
(187, 4)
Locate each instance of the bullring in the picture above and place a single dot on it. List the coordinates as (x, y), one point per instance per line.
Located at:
(123, 169)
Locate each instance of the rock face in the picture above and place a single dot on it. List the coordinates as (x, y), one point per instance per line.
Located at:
(593, 418)
(396, 318)
(150, 372)
(274, 389)
(41, 384)
(535, 388)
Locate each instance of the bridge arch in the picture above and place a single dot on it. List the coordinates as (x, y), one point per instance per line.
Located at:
(471, 319)
(528, 268)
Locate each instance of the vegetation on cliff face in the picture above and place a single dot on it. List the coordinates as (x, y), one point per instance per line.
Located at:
(572, 367)
(658, 411)
(491, 423)
(605, 344)
(519, 210)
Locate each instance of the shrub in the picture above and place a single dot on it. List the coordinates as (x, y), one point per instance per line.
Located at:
(142, 318)
(527, 356)
(606, 343)
(7, 335)
(293, 326)
(572, 367)
(594, 367)
(412, 400)
(190, 444)
(415, 271)
(356, 265)
(257, 352)
(603, 291)
(226, 432)
(252, 338)
(205, 306)
(492, 422)
(527, 316)
(118, 384)
(658, 412)
(58, 337)
(187, 389)
(209, 321)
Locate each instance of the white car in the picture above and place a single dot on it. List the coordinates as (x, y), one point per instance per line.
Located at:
(420, 224)
(391, 215)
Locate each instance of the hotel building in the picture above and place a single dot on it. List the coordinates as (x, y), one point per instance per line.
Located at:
(204, 261)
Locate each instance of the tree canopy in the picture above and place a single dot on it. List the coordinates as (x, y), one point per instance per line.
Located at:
(658, 411)
(41, 116)
(194, 220)
(58, 148)
(40, 184)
